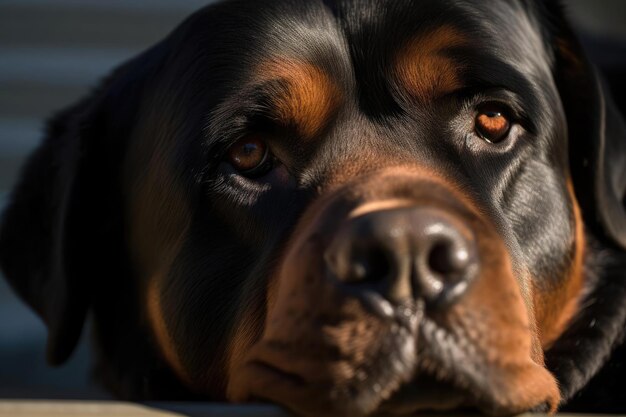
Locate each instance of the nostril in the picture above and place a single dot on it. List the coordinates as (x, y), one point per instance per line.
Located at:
(450, 265)
(400, 254)
(370, 265)
(445, 259)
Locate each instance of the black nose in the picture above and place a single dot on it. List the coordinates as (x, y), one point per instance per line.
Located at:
(424, 253)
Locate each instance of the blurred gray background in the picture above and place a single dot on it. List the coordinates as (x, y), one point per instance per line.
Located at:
(51, 53)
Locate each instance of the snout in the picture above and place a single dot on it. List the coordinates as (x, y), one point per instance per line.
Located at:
(392, 289)
(395, 256)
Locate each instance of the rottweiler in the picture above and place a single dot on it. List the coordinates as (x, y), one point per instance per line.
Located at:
(340, 206)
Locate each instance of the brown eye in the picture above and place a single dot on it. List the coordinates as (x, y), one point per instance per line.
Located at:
(492, 124)
(249, 156)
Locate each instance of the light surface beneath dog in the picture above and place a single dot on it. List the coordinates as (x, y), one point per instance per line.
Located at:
(121, 409)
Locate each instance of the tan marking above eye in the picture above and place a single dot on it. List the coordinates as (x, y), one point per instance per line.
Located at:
(312, 97)
(248, 153)
(423, 67)
(492, 124)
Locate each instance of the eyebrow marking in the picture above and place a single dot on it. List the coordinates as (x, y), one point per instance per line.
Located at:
(309, 99)
(422, 67)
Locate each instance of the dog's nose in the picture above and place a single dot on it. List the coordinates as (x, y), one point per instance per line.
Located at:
(420, 252)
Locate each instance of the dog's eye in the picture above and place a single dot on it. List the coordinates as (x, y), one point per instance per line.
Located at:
(250, 156)
(492, 123)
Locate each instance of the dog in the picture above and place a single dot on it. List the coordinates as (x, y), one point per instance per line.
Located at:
(343, 207)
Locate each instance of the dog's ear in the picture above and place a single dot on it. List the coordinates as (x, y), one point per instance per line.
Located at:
(597, 136)
(62, 227)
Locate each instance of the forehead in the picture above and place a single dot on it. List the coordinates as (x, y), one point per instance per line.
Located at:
(371, 53)
(370, 31)
(350, 34)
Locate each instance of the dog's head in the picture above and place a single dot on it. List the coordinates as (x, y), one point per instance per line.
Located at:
(339, 206)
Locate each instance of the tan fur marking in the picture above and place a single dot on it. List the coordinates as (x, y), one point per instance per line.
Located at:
(556, 308)
(381, 205)
(161, 333)
(422, 67)
(242, 339)
(312, 96)
(249, 322)
(159, 217)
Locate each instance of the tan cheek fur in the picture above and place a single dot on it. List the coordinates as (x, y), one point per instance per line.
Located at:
(161, 332)
(159, 220)
(555, 309)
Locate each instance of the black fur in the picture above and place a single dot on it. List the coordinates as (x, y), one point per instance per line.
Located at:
(65, 238)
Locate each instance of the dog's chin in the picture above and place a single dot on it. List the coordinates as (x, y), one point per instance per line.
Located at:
(398, 379)
(336, 373)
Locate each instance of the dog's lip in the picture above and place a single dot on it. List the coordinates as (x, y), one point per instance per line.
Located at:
(427, 394)
(486, 382)
(440, 387)
(424, 393)
(293, 392)
(301, 384)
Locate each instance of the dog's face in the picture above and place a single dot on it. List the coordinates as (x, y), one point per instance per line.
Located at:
(340, 207)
